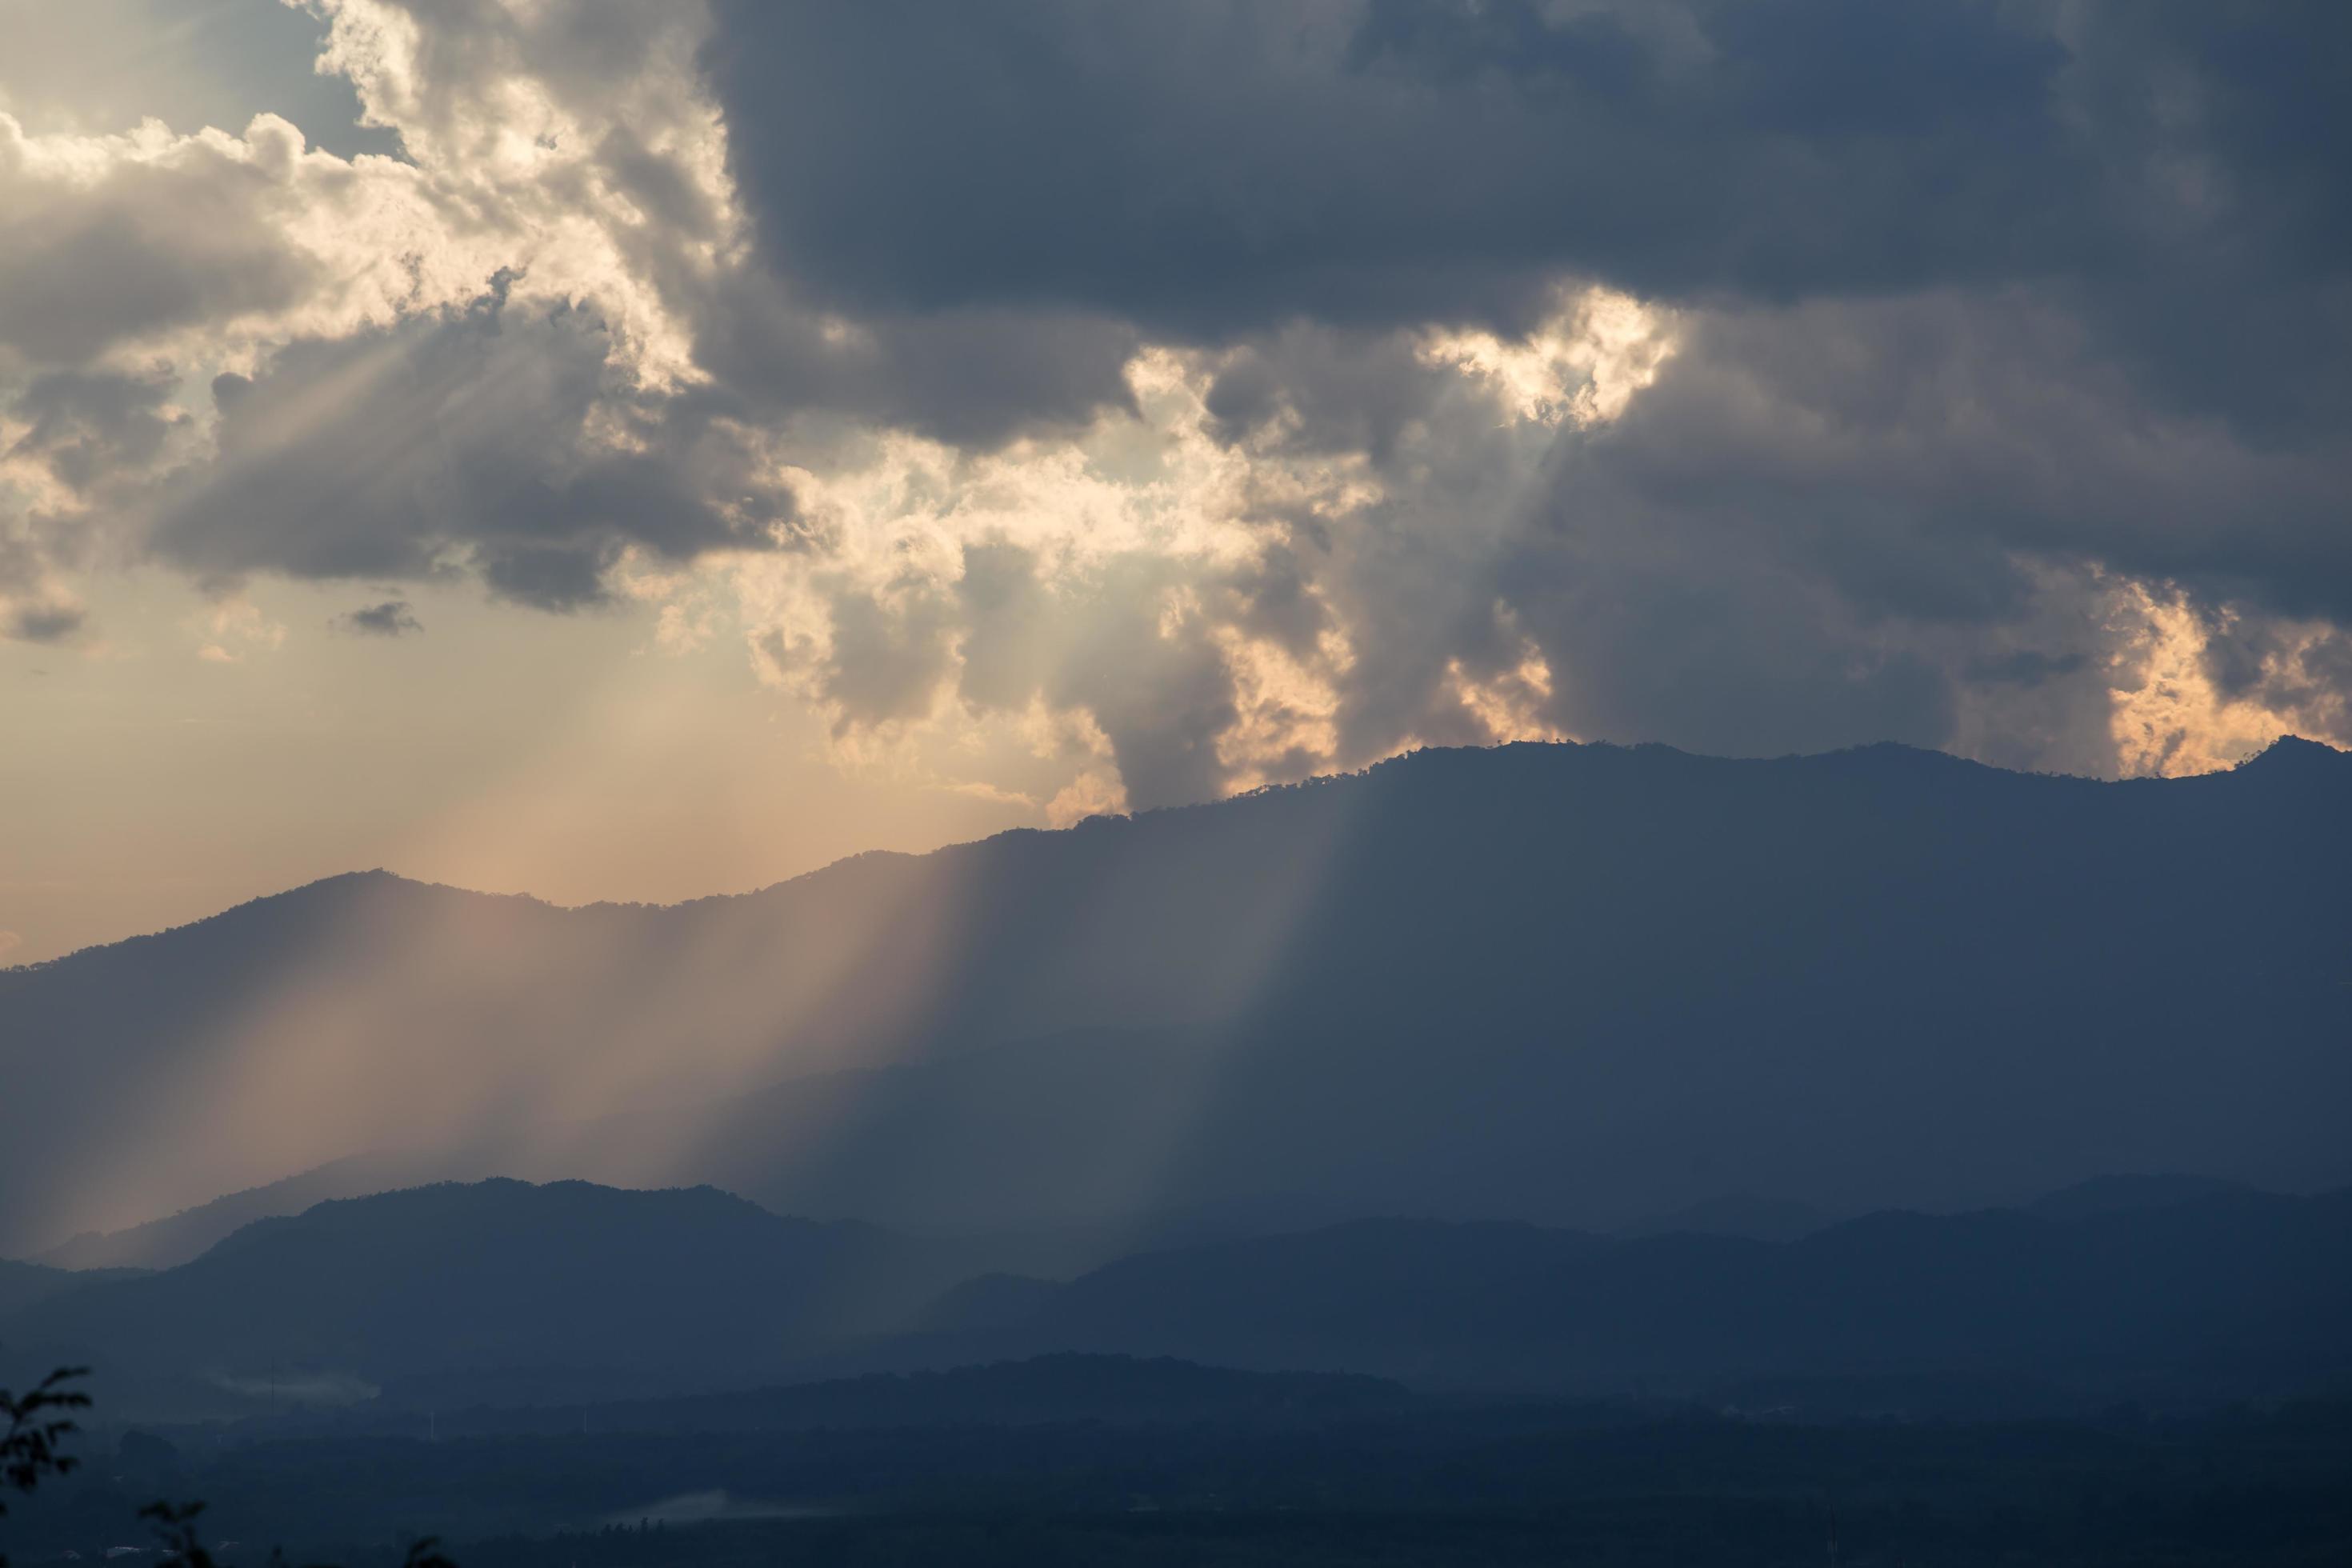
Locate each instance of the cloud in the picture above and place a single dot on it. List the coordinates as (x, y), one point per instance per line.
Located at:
(42, 621)
(35, 604)
(258, 266)
(392, 618)
(1828, 519)
(129, 236)
(977, 377)
(1742, 530)
(1212, 171)
(495, 438)
(1214, 168)
(1117, 405)
(1945, 353)
(234, 628)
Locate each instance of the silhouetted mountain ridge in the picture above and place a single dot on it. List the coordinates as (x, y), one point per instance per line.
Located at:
(2113, 1194)
(502, 1293)
(1109, 1389)
(180, 1237)
(23, 1284)
(694, 1287)
(2230, 1292)
(2305, 758)
(1736, 1214)
(1574, 985)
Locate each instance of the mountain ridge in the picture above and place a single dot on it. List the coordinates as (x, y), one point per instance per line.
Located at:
(688, 1285)
(1580, 985)
(2232, 1291)
(510, 1293)
(2294, 750)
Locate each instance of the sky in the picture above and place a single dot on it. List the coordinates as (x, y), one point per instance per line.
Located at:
(634, 451)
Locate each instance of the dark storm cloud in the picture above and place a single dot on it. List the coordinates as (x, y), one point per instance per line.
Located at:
(1210, 169)
(392, 618)
(1905, 452)
(462, 438)
(969, 376)
(2224, 134)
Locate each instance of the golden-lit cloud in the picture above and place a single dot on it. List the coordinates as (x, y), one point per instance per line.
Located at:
(1583, 364)
(2172, 717)
(1189, 545)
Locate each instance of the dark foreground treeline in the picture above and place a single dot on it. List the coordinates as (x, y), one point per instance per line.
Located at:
(1421, 1482)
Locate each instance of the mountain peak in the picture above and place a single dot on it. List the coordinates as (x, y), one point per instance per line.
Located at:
(2293, 754)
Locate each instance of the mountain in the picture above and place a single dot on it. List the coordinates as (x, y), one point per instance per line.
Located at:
(1109, 1389)
(671, 1290)
(180, 1237)
(1572, 984)
(24, 1284)
(2235, 1292)
(987, 1303)
(2117, 1194)
(1736, 1214)
(21, 1284)
(568, 1295)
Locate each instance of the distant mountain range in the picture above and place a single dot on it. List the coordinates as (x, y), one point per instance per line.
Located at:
(1583, 985)
(1110, 1389)
(2117, 1194)
(2240, 1292)
(180, 1237)
(1737, 1214)
(504, 1294)
(24, 1285)
(568, 1284)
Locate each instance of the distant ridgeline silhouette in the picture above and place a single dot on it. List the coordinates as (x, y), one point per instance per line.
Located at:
(1583, 985)
(517, 1287)
(503, 1294)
